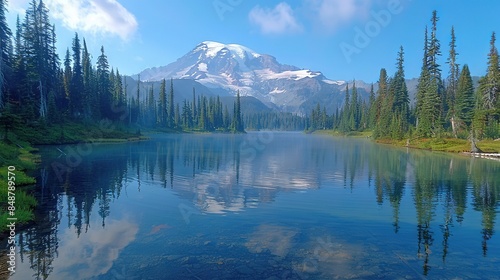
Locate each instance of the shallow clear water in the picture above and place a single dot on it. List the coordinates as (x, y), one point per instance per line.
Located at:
(266, 205)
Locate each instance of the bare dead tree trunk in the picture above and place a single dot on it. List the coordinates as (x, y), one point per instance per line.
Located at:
(43, 100)
(473, 148)
(454, 126)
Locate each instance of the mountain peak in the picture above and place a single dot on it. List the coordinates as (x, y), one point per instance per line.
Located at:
(212, 48)
(234, 67)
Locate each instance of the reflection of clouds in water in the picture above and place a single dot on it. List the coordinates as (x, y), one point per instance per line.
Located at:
(333, 259)
(276, 239)
(220, 192)
(94, 252)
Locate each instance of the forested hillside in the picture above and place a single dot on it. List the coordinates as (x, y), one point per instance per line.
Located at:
(446, 104)
(49, 99)
(41, 92)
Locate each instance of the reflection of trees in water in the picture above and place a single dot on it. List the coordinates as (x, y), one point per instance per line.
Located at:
(486, 183)
(39, 243)
(438, 181)
(354, 155)
(214, 171)
(426, 189)
(97, 180)
(389, 169)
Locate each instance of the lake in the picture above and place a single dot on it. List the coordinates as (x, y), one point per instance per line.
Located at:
(265, 205)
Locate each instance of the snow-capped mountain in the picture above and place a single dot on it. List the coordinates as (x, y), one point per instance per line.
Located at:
(235, 68)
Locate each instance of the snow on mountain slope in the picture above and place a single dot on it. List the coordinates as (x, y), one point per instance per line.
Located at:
(234, 67)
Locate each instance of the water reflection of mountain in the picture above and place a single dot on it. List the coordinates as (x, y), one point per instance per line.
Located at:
(217, 174)
(230, 173)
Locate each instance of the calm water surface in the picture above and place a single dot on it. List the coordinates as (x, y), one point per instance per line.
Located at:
(266, 205)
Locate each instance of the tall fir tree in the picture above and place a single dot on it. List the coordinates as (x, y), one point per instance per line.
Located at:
(382, 96)
(89, 93)
(398, 101)
(76, 79)
(5, 52)
(344, 119)
(162, 104)
(487, 113)
(103, 85)
(237, 125)
(489, 95)
(435, 92)
(452, 84)
(464, 101)
(372, 117)
(430, 89)
(171, 106)
(353, 109)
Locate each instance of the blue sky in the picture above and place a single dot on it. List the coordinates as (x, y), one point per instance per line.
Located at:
(321, 35)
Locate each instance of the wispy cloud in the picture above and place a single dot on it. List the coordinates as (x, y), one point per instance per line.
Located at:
(17, 5)
(95, 16)
(279, 20)
(332, 14)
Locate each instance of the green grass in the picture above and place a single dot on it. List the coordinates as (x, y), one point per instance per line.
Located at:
(22, 159)
(448, 144)
(356, 134)
(451, 145)
(70, 132)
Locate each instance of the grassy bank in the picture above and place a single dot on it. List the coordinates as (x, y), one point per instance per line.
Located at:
(451, 145)
(22, 159)
(70, 132)
(17, 153)
(356, 134)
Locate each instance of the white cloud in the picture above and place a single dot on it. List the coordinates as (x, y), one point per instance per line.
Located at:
(332, 14)
(18, 6)
(95, 16)
(280, 19)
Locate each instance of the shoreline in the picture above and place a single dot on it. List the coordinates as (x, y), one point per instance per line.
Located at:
(490, 148)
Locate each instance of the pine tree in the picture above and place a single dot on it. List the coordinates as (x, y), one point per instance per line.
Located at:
(202, 106)
(90, 106)
(162, 104)
(5, 51)
(68, 74)
(399, 98)
(435, 95)
(464, 101)
(344, 119)
(434, 50)
(137, 106)
(382, 96)
(452, 85)
(118, 95)
(382, 91)
(490, 94)
(423, 84)
(194, 110)
(170, 111)
(151, 107)
(372, 109)
(103, 83)
(76, 79)
(226, 118)
(488, 91)
(237, 125)
(430, 97)
(40, 63)
(353, 109)
(177, 116)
